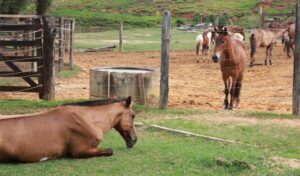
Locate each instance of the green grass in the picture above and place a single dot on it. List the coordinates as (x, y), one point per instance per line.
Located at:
(136, 39)
(161, 153)
(271, 115)
(106, 14)
(155, 153)
(69, 73)
(8, 107)
(8, 82)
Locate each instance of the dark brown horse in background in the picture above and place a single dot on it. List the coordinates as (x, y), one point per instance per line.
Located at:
(231, 55)
(73, 131)
(264, 38)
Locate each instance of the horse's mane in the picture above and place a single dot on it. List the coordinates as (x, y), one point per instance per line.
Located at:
(95, 102)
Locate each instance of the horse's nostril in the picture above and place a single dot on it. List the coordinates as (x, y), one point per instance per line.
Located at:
(134, 140)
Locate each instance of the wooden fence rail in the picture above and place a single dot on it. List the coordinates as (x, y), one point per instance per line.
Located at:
(43, 43)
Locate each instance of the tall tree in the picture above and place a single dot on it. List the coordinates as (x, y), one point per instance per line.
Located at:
(42, 6)
(11, 6)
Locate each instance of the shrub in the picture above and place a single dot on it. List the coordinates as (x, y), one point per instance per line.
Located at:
(249, 22)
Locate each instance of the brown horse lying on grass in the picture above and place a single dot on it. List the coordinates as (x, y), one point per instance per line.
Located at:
(231, 55)
(74, 130)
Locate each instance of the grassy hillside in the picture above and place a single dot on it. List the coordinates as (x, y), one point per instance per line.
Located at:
(146, 13)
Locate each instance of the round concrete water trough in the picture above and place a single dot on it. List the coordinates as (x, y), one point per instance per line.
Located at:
(140, 83)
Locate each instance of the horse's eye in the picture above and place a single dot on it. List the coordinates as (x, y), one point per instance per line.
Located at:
(222, 41)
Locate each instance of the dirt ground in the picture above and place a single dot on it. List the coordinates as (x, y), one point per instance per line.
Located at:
(192, 85)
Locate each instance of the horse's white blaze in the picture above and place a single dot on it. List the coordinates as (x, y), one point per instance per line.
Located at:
(44, 159)
(218, 54)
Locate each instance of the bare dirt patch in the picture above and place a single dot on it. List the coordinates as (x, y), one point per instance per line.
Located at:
(289, 162)
(192, 85)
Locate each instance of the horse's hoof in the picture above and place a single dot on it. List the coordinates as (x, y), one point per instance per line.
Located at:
(197, 61)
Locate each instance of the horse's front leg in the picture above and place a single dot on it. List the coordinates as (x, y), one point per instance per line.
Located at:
(270, 54)
(226, 92)
(93, 152)
(232, 93)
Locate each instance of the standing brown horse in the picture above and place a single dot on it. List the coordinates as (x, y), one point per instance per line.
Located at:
(231, 55)
(74, 130)
(264, 38)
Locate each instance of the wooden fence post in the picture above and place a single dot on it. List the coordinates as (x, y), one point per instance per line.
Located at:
(121, 37)
(296, 79)
(165, 49)
(61, 49)
(71, 52)
(48, 58)
(39, 53)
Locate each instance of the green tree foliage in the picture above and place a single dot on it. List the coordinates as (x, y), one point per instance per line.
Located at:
(211, 18)
(42, 6)
(223, 20)
(11, 6)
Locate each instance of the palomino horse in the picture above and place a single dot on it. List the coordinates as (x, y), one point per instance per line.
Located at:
(264, 38)
(231, 55)
(278, 25)
(74, 130)
(203, 42)
(237, 36)
(236, 29)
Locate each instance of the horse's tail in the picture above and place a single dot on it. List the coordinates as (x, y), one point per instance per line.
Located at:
(252, 45)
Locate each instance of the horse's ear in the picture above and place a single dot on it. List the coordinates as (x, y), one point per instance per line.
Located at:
(216, 29)
(128, 103)
(225, 31)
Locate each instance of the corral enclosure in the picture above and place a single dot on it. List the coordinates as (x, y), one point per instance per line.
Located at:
(27, 52)
(192, 85)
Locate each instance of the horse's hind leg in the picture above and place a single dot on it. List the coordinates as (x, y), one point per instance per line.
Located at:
(270, 54)
(232, 93)
(203, 55)
(206, 55)
(267, 55)
(238, 87)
